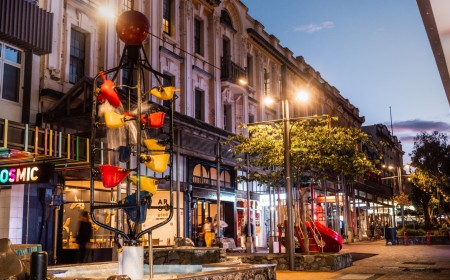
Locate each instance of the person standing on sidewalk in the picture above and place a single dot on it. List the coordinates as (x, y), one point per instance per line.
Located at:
(84, 236)
(208, 231)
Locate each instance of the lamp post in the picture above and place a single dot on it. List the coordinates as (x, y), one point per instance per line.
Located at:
(302, 97)
(218, 220)
(287, 169)
(249, 238)
(397, 189)
(290, 246)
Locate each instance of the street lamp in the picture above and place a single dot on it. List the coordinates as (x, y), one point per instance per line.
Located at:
(287, 166)
(398, 186)
(302, 96)
(108, 13)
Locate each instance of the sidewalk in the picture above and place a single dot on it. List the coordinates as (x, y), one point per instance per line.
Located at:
(376, 260)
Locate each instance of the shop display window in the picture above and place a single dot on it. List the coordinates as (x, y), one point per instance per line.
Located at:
(76, 200)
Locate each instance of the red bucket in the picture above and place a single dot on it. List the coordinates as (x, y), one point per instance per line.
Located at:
(112, 175)
(108, 92)
(153, 120)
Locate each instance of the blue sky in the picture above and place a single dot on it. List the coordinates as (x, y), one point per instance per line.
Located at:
(375, 52)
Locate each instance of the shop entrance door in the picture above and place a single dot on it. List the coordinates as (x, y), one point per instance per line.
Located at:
(208, 208)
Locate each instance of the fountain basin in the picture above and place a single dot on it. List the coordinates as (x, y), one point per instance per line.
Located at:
(218, 271)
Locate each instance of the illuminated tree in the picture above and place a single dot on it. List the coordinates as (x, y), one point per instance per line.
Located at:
(402, 199)
(316, 149)
(431, 180)
(423, 192)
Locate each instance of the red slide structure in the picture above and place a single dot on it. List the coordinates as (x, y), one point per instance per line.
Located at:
(332, 239)
(320, 235)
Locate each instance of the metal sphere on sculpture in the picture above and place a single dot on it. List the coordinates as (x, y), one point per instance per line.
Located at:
(132, 28)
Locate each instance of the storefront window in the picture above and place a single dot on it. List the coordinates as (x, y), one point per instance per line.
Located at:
(255, 216)
(77, 201)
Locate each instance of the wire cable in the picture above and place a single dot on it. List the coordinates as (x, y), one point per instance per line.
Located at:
(184, 51)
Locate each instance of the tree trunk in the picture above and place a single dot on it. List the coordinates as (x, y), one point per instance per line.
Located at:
(426, 214)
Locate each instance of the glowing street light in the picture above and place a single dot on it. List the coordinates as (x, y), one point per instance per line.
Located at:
(106, 12)
(301, 96)
(399, 189)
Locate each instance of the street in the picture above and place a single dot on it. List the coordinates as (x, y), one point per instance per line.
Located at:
(375, 260)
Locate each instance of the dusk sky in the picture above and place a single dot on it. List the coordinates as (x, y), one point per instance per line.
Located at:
(375, 52)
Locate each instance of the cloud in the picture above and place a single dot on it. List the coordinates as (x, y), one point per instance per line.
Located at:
(313, 27)
(408, 138)
(407, 130)
(417, 125)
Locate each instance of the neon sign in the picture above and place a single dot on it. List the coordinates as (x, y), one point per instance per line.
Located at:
(37, 173)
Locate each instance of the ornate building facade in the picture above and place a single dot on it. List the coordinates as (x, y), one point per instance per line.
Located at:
(203, 47)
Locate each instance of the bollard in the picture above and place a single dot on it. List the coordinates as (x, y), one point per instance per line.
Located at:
(428, 238)
(405, 238)
(38, 266)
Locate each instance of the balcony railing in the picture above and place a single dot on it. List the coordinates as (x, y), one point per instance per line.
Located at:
(230, 71)
(74, 109)
(24, 24)
(210, 182)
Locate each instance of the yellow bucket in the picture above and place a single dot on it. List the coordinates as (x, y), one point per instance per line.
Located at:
(147, 184)
(164, 93)
(157, 163)
(114, 120)
(153, 146)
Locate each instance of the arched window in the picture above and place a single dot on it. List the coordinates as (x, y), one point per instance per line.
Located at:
(226, 19)
(225, 179)
(213, 173)
(200, 175)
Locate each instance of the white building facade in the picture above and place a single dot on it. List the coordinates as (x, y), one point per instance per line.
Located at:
(205, 47)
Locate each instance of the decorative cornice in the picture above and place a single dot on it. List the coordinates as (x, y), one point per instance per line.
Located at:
(201, 71)
(172, 54)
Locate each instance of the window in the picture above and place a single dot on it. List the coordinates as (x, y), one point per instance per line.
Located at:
(167, 6)
(198, 36)
(250, 70)
(127, 5)
(226, 48)
(77, 55)
(227, 117)
(251, 118)
(226, 19)
(10, 70)
(200, 175)
(225, 179)
(198, 110)
(242, 185)
(266, 82)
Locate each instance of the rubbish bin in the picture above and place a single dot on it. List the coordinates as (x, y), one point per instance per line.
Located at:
(390, 235)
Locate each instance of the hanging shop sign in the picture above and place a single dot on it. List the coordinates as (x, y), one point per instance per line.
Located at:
(31, 174)
(329, 199)
(212, 194)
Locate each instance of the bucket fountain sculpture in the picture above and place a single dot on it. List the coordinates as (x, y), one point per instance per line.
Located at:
(132, 28)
